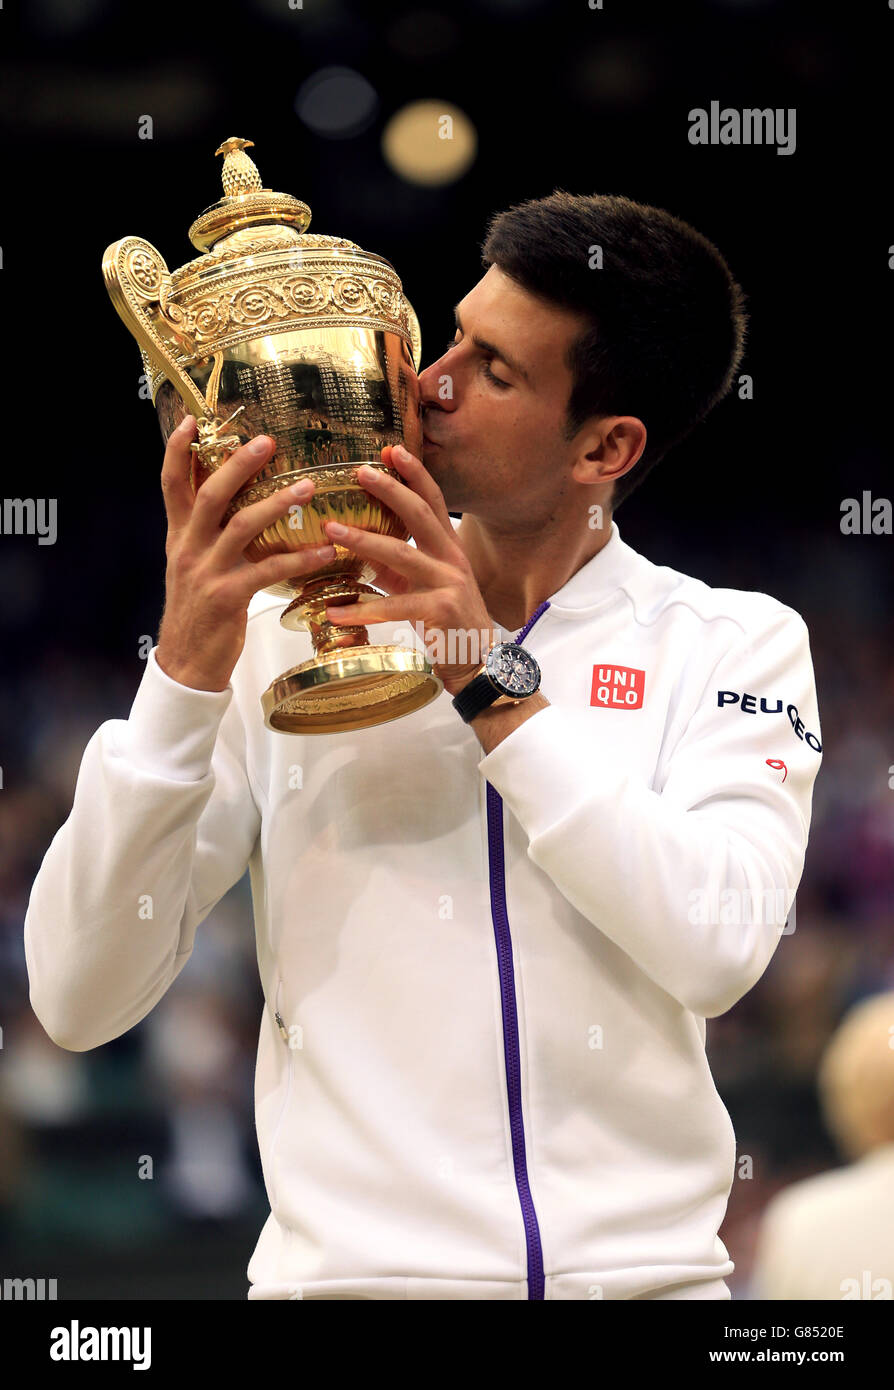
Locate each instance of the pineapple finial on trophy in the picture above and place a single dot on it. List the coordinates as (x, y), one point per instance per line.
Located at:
(240, 174)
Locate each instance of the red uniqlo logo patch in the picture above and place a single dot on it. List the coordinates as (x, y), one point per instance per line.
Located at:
(618, 687)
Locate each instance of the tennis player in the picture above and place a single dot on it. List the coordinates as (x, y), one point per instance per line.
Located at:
(490, 933)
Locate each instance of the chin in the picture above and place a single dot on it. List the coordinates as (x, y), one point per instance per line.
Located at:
(433, 459)
(454, 488)
(447, 484)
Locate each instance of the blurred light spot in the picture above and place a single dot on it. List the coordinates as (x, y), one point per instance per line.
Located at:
(615, 74)
(336, 103)
(43, 1084)
(62, 17)
(810, 61)
(430, 142)
(423, 34)
(205, 1169)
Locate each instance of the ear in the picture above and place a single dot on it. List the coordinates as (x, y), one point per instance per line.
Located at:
(609, 448)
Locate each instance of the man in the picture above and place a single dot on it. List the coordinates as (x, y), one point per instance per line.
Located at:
(489, 934)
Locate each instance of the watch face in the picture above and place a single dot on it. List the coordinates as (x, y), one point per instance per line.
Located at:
(513, 669)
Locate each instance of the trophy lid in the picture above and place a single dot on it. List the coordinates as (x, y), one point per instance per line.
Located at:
(259, 272)
(246, 202)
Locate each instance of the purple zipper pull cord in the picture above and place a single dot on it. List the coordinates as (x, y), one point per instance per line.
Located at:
(511, 1052)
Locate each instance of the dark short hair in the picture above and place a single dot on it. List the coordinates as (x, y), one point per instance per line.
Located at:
(666, 318)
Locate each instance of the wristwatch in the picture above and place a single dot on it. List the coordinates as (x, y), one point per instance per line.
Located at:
(509, 674)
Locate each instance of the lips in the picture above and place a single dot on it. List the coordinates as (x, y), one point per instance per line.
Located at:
(426, 437)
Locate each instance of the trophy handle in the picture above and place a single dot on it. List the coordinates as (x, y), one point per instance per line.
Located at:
(415, 335)
(137, 279)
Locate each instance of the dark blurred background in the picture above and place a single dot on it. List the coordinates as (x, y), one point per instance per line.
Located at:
(545, 95)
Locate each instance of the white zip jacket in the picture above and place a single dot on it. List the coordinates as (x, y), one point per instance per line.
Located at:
(481, 1070)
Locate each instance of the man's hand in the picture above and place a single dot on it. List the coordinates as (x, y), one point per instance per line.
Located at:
(432, 583)
(209, 581)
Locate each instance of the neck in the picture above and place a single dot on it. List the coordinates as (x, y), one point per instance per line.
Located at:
(517, 571)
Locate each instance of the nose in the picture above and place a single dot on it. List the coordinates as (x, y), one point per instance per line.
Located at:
(437, 386)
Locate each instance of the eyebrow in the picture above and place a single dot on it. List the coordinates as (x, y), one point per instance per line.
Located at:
(494, 351)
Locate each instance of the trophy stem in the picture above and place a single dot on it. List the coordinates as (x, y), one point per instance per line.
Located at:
(309, 610)
(347, 683)
(351, 689)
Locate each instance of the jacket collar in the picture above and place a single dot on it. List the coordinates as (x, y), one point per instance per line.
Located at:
(598, 579)
(595, 583)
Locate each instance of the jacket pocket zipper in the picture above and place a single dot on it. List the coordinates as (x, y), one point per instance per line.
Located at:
(287, 1090)
(278, 1016)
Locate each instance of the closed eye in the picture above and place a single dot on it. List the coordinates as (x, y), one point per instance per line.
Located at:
(497, 381)
(485, 367)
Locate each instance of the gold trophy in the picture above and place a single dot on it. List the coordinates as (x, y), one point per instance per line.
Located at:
(309, 339)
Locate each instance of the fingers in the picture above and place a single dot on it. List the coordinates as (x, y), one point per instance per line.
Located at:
(278, 567)
(417, 476)
(217, 492)
(409, 499)
(418, 569)
(388, 579)
(248, 523)
(175, 486)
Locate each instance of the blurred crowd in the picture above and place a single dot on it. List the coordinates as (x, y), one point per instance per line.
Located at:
(171, 1102)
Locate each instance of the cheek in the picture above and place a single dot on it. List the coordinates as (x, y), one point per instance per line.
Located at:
(521, 430)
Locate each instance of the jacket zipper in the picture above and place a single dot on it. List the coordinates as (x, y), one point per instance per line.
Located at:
(499, 913)
(278, 1018)
(284, 1032)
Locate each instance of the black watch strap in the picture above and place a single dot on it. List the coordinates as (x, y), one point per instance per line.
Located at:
(475, 697)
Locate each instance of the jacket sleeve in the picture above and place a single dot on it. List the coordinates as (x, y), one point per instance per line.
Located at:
(694, 880)
(162, 824)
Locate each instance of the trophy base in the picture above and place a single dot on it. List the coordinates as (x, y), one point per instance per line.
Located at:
(355, 688)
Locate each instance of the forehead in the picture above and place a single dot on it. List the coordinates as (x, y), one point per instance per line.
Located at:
(530, 329)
